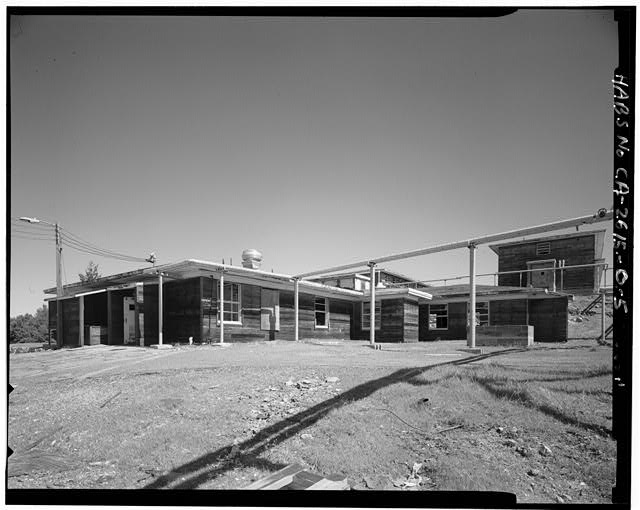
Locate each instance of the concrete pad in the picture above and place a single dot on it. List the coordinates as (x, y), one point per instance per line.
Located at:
(471, 350)
(161, 346)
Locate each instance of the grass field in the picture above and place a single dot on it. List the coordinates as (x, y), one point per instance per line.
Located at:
(533, 422)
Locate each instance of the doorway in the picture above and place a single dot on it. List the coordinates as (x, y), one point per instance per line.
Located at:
(129, 314)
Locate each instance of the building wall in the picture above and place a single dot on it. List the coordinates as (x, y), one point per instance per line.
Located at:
(52, 316)
(70, 322)
(411, 321)
(508, 312)
(340, 312)
(549, 318)
(150, 310)
(181, 310)
(575, 251)
(457, 323)
(394, 326)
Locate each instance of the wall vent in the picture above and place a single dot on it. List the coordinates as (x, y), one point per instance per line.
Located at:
(543, 248)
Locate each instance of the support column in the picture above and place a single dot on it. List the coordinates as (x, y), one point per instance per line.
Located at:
(372, 315)
(221, 307)
(603, 315)
(471, 335)
(109, 319)
(159, 308)
(81, 321)
(296, 308)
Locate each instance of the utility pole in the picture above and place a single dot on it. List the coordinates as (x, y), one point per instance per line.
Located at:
(59, 336)
(58, 276)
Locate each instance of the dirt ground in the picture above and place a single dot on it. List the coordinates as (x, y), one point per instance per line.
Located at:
(535, 421)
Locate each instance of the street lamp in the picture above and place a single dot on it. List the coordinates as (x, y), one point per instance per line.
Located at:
(58, 276)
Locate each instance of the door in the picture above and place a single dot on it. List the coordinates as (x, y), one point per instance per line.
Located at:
(543, 274)
(129, 313)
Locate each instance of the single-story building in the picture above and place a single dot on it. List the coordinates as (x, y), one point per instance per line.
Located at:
(257, 305)
(446, 315)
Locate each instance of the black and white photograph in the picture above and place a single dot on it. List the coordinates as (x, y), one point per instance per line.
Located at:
(369, 251)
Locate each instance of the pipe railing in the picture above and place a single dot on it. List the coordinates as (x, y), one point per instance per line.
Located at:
(562, 270)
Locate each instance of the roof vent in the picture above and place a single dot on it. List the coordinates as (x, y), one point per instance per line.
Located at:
(251, 259)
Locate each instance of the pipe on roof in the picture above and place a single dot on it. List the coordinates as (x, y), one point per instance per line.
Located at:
(600, 216)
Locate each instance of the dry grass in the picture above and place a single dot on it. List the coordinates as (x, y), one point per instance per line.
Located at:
(209, 418)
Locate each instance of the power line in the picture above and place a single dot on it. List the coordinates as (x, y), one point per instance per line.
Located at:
(97, 251)
(69, 239)
(79, 242)
(32, 238)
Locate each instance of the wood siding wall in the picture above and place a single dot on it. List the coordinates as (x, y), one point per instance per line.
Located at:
(70, 322)
(457, 323)
(575, 251)
(411, 321)
(181, 311)
(513, 312)
(340, 312)
(53, 318)
(150, 307)
(393, 321)
(549, 318)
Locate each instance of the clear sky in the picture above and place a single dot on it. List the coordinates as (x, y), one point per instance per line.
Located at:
(318, 141)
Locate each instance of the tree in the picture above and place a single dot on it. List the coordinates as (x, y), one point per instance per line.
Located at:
(30, 328)
(91, 274)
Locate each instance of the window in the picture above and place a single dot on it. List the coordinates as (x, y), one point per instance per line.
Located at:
(321, 307)
(543, 248)
(439, 316)
(482, 313)
(231, 303)
(366, 315)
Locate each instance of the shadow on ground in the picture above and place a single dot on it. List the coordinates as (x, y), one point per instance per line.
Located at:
(194, 474)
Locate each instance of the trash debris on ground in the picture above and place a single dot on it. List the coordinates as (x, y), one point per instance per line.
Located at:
(412, 481)
(544, 450)
(294, 477)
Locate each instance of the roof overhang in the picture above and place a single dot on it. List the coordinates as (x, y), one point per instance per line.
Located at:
(399, 292)
(193, 268)
(501, 295)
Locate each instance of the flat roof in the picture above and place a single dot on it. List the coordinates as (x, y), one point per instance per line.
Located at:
(449, 292)
(192, 268)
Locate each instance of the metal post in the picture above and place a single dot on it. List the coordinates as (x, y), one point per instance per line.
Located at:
(372, 315)
(602, 315)
(160, 308)
(471, 337)
(59, 332)
(81, 321)
(221, 307)
(296, 308)
(520, 278)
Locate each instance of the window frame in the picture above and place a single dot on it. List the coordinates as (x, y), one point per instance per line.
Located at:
(223, 302)
(325, 311)
(366, 325)
(446, 309)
